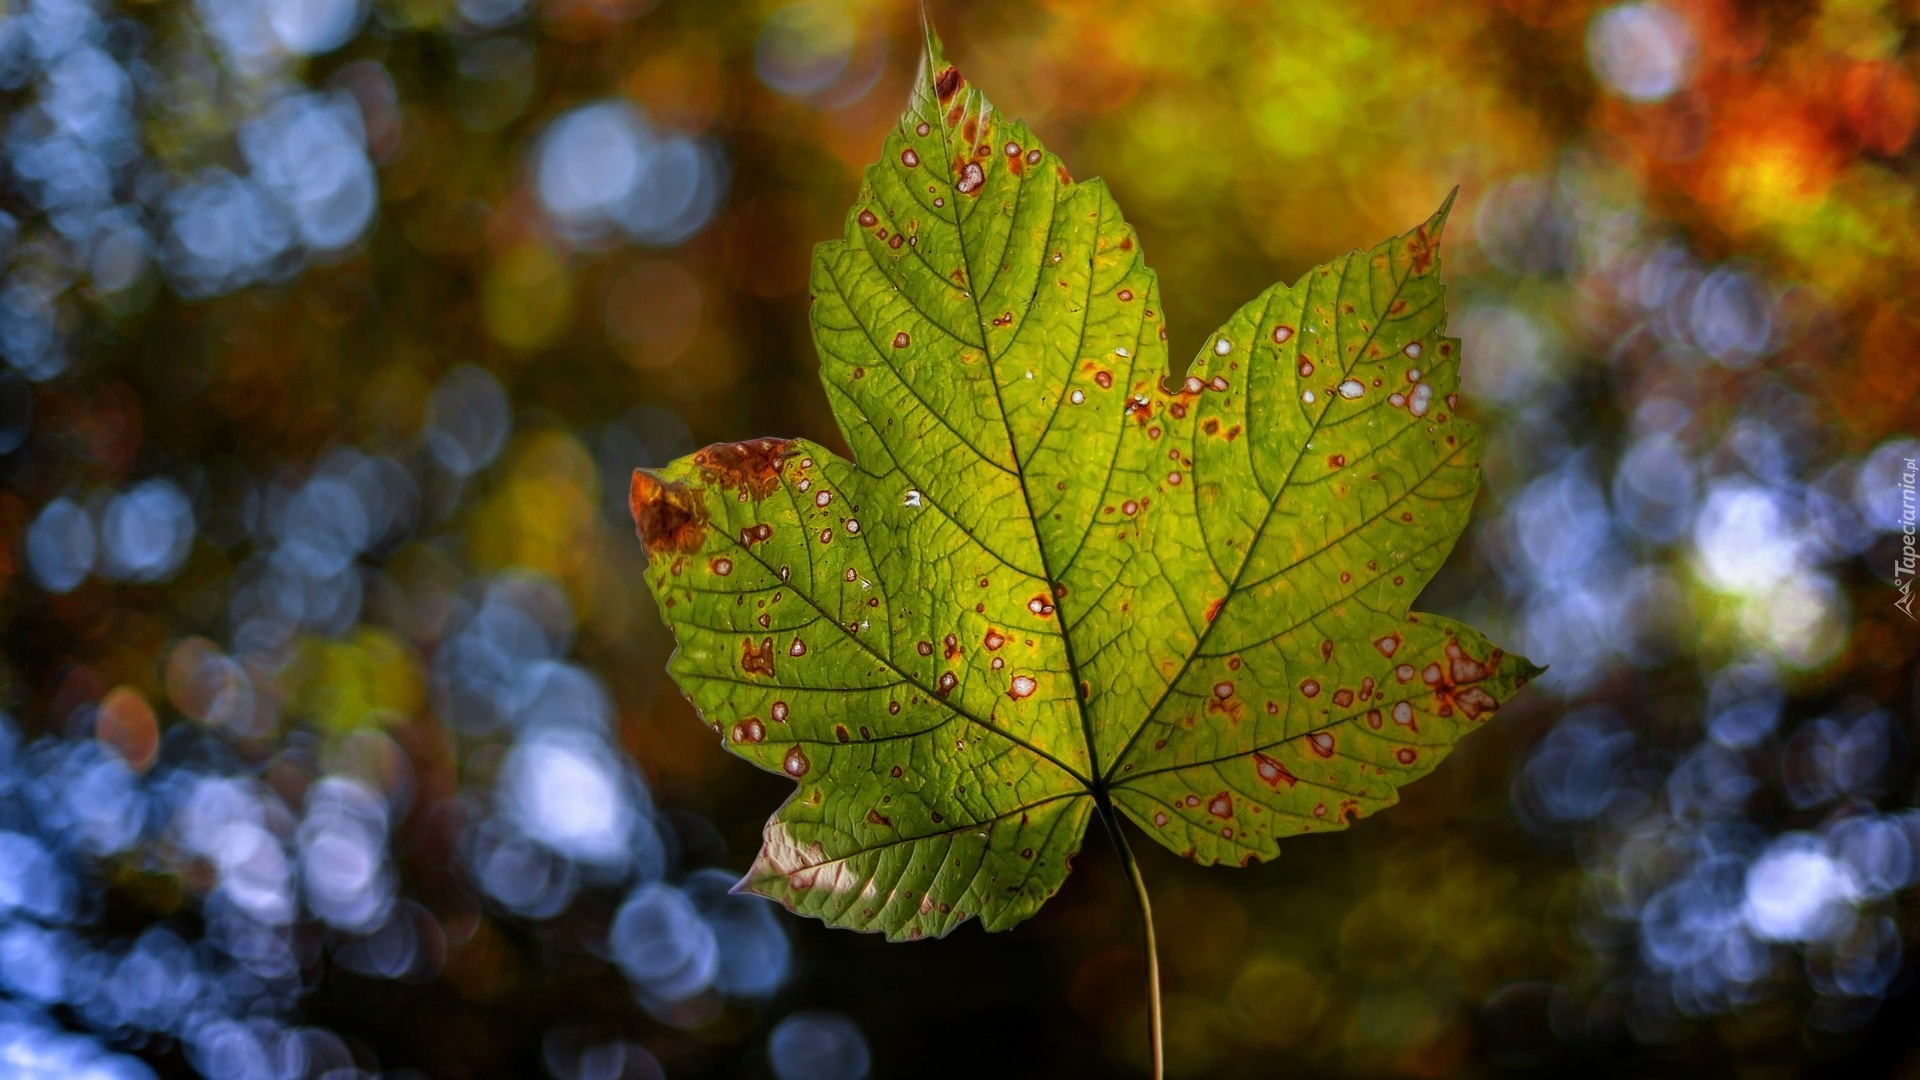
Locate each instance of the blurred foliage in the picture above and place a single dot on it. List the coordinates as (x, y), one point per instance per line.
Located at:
(333, 332)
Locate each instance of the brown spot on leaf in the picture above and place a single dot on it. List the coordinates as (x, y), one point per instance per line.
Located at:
(752, 466)
(1271, 772)
(1457, 688)
(757, 661)
(1422, 247)
(667, 515)
(947, 83)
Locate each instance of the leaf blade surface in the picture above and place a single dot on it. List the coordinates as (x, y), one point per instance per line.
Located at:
(1051, 576)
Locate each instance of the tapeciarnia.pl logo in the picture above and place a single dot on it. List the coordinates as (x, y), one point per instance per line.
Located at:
(1903, 564)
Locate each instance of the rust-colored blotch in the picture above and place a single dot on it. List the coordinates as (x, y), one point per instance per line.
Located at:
(757, 661)
(1422, 247)
(667, 515)
(752, 466)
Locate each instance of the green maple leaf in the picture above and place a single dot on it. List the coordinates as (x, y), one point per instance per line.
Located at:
(1053, 582)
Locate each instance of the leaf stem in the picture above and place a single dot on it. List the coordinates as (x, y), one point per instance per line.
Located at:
(1154, 1040)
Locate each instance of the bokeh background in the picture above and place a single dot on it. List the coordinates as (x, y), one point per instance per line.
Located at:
(336, 741)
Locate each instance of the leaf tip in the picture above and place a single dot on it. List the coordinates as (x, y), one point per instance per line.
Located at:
(930, 35)
(667, 515)
(938, 76)
(1437, 224)
(763, 879)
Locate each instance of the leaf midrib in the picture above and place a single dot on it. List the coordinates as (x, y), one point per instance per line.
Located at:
(1020, 471)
